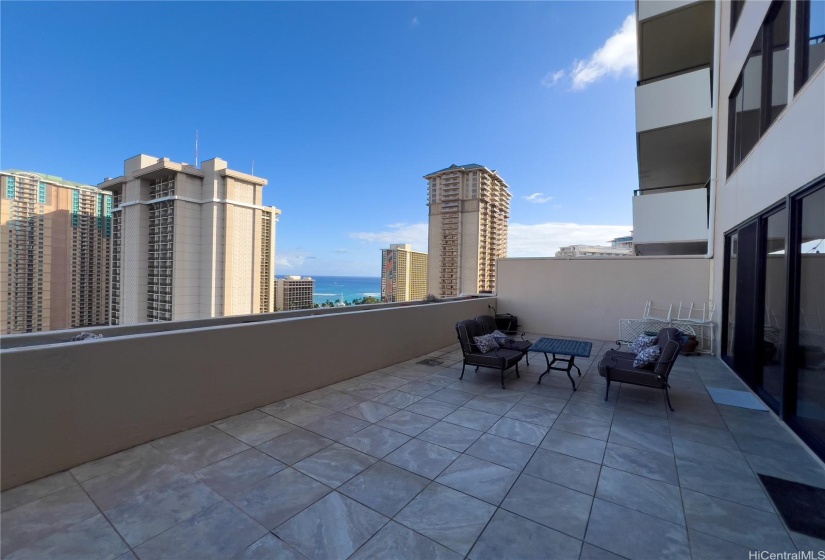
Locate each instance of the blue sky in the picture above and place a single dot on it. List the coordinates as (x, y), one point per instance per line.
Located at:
(342, 106)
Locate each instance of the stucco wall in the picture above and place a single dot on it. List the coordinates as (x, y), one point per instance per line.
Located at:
(65, 404)
(586, 298)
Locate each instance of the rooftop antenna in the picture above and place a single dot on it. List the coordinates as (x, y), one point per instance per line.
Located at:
(196, 147)
(253, 167)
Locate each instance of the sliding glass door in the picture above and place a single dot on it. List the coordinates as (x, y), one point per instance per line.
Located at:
(773, 323)
(810, 319)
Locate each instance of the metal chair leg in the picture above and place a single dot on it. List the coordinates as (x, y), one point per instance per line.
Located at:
(517, 375)
(667, 398)
(502, 379)
(607, 391)
(462, 371)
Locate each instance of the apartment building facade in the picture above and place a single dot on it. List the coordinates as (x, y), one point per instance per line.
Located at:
(294, 292)
(189, 242)
(730, 109)
(55, 239)
(469, 209)
(403, 274)
(592, 251)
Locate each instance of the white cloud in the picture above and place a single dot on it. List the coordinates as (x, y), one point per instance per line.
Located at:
(538, 198)
(543, 240)
(292, 259)
(414, 22)
(414, 234)
(552, 78)
(617, 57)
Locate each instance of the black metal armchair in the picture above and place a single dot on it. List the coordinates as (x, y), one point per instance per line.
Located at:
(488, 325)
(499, 358)
(618, 366)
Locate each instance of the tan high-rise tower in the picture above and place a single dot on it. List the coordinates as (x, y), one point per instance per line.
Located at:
(54, 253)
(403, 274)
(189, 243)
(469, 209)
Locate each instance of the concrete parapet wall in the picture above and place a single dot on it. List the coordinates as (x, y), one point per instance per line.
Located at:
(586, 297)
(66, 404)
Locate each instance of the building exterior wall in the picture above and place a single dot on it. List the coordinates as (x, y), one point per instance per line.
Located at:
(294, 292)
(192, 243)
(789, 155)
(587, 297)
(56, 238)
(469, 208)
(403, 274)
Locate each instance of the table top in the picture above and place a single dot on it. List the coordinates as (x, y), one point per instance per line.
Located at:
(563, 346)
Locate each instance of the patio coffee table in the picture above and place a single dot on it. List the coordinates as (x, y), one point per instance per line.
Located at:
(564, 347)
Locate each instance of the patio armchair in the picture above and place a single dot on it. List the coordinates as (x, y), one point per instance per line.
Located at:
(499, 358)
(618, 366)
(488, 325)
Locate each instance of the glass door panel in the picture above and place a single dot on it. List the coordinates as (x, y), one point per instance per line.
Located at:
(773, 335)
(810, 357)
(733, 249)
(747, 337)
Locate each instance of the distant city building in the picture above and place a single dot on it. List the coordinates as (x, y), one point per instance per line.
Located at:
(469, 208)
(625, 242)
(403, 274)
(619, 247)
(593, 251)
(54, 253)
(189, 243)
(294, 292)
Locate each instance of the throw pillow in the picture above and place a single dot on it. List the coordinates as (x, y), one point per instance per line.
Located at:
(641, 343)
(647, 356)
(485, 343)
(501, 339)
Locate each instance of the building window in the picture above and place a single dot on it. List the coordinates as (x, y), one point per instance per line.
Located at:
(810, 40)
(760, 93)
(745, 107)
(735, 11)
(9, 187)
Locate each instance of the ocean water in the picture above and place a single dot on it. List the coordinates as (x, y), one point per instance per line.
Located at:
(351, 287)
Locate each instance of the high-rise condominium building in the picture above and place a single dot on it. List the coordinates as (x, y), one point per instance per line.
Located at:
(54, 253)
(469, 209)
(189, 243)
(294, 292)
(403, 274)
(729, 120)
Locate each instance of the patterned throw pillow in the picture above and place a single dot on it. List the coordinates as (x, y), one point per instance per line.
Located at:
(641, 343)
(501, 339)
(486, 343)
(647, 356)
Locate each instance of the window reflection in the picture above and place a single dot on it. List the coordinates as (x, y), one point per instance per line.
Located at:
(811, 54)
(746, 105)
(775, 282)
(733, 249)
(779, 30)
(811, 355)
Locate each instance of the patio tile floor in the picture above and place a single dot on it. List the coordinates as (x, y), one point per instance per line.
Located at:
(411, 462)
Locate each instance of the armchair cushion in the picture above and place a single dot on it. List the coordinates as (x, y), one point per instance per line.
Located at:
(503, 340)
(647, 356)
(642, 343)
(485, 343)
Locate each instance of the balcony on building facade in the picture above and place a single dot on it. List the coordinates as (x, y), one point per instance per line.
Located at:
(671, 221)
